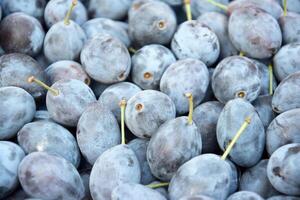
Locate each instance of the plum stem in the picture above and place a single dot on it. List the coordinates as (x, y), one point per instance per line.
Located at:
(157, 185)
(132, 50)
(242, 53)
(219, 5)
(191, 107)
(37, 81)
(284, 7)
(247, 121)
(68, 16)
(270, 79)
(188, 11)
(123, 106)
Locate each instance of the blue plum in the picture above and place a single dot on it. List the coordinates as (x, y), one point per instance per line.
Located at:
(200, 7)
(290, 27)
(263, 106)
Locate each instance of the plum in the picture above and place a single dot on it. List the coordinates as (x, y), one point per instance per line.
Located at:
(113, 94)
(195, 40)
(284, 129)
(287, 94)
(244, 195)
(158, 27)
(255, 179)
(49, 137)
(17, 108)
(200, 7)
(103, 25)
(206, 174)
(47, 176)
(206, 116)
(97, 131)
(196, 197)
(185, 76)
(16, 68)
(148, 65)
(67, 106)
(236, 76)
(34, 8)
(249, 30)
(146, 111)
(283, 169)
(133, 191)
(263, 106)
(106, 59)
(56, 11)
(218, 23)
(66, 69)
(21, 33)
(10, 158)
(115, 166)
(85, 177)
(287, 61)
(290, 27)
(283, 197)
(248, 150)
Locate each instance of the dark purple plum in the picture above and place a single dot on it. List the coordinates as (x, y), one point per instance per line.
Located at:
(284, 129)
(255, 179)
(249, 30)
(21, 33)
(290, 27)
(10, 158)
(147, 110)
(283, 169)
(236, 76)
(97, 131)
(67, 106)
(16, 68)
(263, 106)
(244, 195)
(196, 197)
(199, 7)
(158, 27)
(248, 150)
(148, 65)
(49, 137)
(113, 94)
(206, 116)
(185, 76)
(195, 40)
(17, 109)
(106, 59)
(47, 176)
(287, 94)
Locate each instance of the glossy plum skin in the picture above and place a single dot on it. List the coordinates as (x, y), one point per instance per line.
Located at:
(263, 106)
(287, 94)
(174, 143)
(254, 42)
(49, 137)
(253, 138)
(139, 146)
(206, 116)
(255, 179)
(64, 42)
(66, 69)
(113, 94)
(146, 111)
(148, 65)
(185, 76)
(17, 108)
(287, 61)
(283, 169)
(104, 25)
(106, 59)
(199, 7)
(244, 195)
(47, 176)
(158, 27)
(74, 96)
(117, 165)
(21, 33)
(97, 131)
(290, 26)
(133, 191)
(233, 75)
(284, 129)
(16, 68)
(206, 175)
(10, 158)
(195, 40)
(56, 11)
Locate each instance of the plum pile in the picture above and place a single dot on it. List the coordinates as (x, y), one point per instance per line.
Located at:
(149, 99)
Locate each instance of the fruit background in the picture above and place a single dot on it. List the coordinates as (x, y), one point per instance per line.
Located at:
(150, 99)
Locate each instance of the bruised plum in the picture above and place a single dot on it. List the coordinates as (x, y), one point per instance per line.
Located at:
(290, 27)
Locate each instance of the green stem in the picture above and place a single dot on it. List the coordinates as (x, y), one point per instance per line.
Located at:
(157, 185)
(123, 106)
(68, 16)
